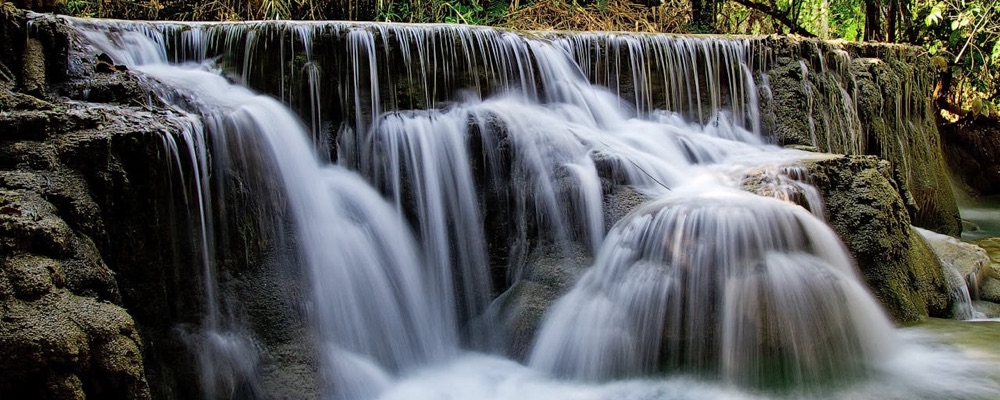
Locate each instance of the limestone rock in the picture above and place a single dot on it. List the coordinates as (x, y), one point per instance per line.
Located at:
(549, 273)
(33, 81)
(891, 117)
(970, 261)
(864, 207)
(989, 290)
(988, 309)
(29, 223)
(620, 202)
(60, 337)
(992, 248)
(32, 277)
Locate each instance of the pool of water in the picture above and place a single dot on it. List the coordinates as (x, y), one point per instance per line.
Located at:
(984, 215)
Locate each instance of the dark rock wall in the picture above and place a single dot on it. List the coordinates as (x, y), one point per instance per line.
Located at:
(86, 231)
(972, 149)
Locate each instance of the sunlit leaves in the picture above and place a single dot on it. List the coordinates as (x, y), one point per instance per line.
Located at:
(936, 15)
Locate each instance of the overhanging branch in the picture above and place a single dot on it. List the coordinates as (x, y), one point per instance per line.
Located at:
(777, 15)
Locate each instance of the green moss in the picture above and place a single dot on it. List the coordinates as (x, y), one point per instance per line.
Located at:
(868, 99)
(926, 277)
(866, 210)
(33, 277)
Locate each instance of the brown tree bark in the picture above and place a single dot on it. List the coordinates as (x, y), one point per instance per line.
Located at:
(873, 21)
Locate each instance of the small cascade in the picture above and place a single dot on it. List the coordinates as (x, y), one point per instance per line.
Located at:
(961, 295)
(973, 260)
(429, 160)
(376, 68)
(754, 290)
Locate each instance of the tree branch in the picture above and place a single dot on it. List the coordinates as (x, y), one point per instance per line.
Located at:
(777, 15)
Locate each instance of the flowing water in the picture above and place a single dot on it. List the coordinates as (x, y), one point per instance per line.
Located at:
(706, 291)
(983, 213)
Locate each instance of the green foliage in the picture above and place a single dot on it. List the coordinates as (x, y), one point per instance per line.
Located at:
(967, 35)
(81, 8)
(274, 9)
(473, 12)
(7, 9)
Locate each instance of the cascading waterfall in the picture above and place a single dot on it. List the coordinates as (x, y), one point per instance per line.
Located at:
(444, 133)
(751, 287)
(372, 309)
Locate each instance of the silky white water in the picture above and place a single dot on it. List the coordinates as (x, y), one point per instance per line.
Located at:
(707, 291)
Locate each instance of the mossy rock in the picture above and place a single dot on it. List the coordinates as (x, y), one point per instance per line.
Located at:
(989, 290)
(549, 273)
(864, 207)
(51, 342)
(864, 99)
(988, 309)
(32, 277)
(29, 223)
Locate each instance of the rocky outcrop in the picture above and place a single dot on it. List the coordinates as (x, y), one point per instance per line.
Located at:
(549, 272)
(864, 207)
(68, 231)
(987, 285)
(864, 99)
(988, 309)
(970, 261)
(64, 330)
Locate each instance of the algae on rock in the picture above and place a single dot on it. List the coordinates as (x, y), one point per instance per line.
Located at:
(864, 207)
(864, 99)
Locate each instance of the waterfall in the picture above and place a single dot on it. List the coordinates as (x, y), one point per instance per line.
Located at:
(372, 308)
(436, 156)
(751, 287)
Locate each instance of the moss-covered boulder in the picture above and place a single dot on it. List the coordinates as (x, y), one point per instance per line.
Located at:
(968, 263)
(988, 287)
(61, 337)
(65, 346)
(989, 290)
(864, 207)
(988, 309)
(860, 99)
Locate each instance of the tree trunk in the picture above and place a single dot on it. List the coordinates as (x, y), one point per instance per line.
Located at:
(873, 21)
(892, 16)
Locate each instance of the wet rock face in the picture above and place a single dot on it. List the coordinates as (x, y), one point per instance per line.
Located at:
(970, 261)
(985, 285)
(864, 207)
(65, 273)
(549, 272)
(62, 332)
(864, 99)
